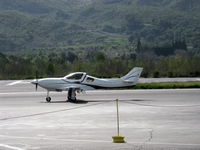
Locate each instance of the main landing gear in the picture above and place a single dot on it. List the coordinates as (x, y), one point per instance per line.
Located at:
(71, 96)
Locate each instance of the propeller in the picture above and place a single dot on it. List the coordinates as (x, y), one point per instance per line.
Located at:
(36, 78)
(35, 81)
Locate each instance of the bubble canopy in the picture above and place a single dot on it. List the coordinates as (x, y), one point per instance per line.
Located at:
(77, 76)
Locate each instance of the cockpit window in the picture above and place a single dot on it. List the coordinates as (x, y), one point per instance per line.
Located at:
(76, 76)
(89, 79)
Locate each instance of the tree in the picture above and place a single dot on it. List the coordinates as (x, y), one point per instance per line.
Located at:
(100, 56)
(139, 46)
(50, 69)
(71, 57)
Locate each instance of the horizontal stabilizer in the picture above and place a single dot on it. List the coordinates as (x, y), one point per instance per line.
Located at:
(128, 81)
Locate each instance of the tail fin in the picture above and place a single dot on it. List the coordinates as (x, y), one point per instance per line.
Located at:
(133, 75)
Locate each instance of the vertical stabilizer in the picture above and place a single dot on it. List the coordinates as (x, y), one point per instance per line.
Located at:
(133, 75)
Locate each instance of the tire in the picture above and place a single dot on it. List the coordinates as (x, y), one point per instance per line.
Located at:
(48, 99)
(71, 100)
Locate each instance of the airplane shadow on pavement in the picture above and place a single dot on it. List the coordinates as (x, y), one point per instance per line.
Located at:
(94, 101)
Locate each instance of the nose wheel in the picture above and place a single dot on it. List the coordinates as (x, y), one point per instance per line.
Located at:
(48, 99)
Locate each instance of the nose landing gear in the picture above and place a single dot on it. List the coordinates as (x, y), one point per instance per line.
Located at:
(48, 99)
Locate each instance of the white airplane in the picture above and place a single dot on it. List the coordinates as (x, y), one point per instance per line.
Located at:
(80, 81)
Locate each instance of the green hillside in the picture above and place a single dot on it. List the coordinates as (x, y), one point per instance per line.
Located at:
(104, 38)
(34, 24)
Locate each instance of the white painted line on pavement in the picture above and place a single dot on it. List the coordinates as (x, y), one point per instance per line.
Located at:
(13, 83)
(18, 82)
(10, 147)
(20, 93)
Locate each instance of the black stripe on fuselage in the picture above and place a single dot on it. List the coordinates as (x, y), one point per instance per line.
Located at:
(97, 86)
(102, 87)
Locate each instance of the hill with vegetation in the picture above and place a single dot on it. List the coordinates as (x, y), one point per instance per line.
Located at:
(34, 24)
(105, 38)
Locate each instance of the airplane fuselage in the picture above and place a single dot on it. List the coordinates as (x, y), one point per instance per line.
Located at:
(80, 81)
(61, 84)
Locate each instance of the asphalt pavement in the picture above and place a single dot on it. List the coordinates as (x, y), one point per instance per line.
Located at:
(149, 119)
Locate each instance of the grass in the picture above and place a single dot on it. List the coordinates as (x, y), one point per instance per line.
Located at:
(168, 85)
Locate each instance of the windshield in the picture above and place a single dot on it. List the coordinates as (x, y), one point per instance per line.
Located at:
(76, 76)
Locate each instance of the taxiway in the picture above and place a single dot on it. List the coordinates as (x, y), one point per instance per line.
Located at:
(149, 119)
